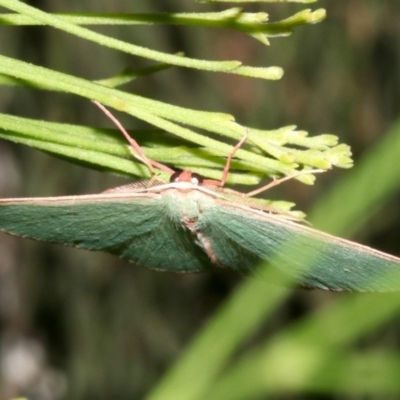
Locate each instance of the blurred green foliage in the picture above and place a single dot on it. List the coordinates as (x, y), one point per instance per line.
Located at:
(88, 326)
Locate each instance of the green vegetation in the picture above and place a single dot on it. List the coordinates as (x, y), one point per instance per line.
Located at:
(115, 332)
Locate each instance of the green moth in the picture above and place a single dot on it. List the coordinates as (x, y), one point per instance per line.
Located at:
(194, 225)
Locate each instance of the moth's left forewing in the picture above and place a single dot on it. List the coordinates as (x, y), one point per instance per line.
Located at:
(242, 238)
(135, 226)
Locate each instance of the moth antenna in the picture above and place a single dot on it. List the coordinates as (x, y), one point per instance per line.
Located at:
(135, 148)
(276, 182)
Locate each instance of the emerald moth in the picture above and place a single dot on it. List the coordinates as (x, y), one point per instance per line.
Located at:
(191, 224)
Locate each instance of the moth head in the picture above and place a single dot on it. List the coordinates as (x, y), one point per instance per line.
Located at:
(186, 176)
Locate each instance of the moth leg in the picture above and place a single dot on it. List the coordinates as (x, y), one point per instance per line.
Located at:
(225, 172)
(135, 149)
(276, 182)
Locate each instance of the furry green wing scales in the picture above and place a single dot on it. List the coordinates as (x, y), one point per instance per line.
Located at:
(137, 229)
(241, 239)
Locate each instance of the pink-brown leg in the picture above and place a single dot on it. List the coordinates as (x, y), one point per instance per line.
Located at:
(225, 172)
(136, 150)
(276, 182)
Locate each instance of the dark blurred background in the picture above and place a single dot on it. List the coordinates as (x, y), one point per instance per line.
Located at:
(81, 325)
